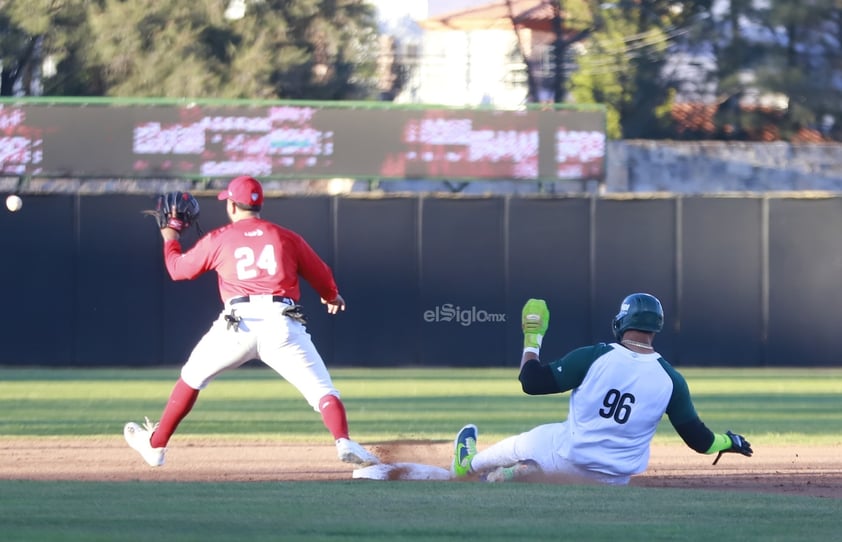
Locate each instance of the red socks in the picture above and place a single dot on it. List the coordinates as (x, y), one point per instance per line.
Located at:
(181, 402)
(333, 416)
(183, 397)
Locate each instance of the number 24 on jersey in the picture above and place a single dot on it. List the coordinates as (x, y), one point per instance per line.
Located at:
(249, 264)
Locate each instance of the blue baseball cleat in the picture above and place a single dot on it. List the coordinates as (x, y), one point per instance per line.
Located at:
(464, 450)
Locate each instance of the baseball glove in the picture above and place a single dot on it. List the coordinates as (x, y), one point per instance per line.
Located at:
(739, 445)
(176, 210)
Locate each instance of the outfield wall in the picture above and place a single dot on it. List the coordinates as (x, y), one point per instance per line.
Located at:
(439, 281)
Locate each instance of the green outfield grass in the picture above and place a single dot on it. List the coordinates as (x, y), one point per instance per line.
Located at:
(770, 406)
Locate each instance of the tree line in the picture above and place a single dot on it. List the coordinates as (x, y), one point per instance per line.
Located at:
(751, 69)
(765, 69)
(291, 49)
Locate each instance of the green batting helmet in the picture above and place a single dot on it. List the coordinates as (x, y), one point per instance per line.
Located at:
(639, 311)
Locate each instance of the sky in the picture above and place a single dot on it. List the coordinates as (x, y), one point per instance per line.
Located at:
(395, 9)
(420, 9)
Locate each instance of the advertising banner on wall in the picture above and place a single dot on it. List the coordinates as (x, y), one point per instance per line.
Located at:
(299, 140)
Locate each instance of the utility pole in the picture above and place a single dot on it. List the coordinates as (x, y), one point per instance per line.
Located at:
(560, 46)
(531, 85)
(559, 50)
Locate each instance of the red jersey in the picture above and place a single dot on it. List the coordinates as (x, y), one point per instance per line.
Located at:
(253, 256)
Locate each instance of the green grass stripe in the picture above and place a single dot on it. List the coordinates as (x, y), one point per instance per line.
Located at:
(773, 405)
(401, 511)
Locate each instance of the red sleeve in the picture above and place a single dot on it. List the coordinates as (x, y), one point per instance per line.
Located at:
(188, 265)
(315, 271)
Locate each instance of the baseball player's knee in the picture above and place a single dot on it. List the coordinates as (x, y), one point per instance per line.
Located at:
(195, 381)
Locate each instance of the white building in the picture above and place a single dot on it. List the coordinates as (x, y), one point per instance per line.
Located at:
(472, 56)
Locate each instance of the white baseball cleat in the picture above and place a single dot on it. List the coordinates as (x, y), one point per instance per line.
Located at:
(351, 452)
(138, 438)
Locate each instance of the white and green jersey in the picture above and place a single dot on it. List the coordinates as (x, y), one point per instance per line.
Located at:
(618, 399)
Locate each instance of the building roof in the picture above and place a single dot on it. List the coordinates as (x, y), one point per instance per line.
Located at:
(533, 14)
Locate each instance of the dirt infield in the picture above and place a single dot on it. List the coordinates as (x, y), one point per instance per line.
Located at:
(808, 471)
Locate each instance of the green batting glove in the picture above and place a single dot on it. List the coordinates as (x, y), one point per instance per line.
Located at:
(535, 319)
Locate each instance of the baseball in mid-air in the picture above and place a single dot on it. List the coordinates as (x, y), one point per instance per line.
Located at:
(14, 203)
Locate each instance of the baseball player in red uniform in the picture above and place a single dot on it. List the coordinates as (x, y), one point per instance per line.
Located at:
(258, 264)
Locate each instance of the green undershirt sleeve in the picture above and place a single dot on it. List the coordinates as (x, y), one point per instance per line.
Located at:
(721, 442)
